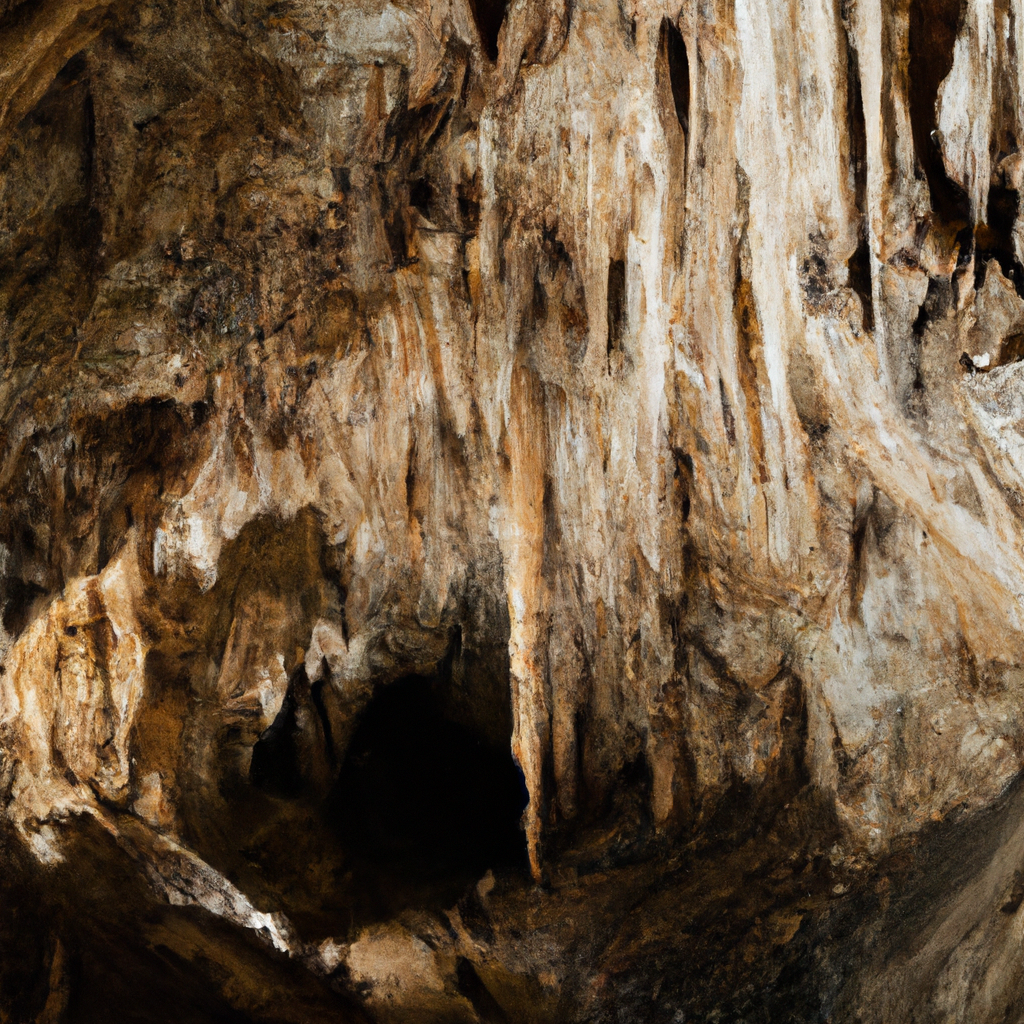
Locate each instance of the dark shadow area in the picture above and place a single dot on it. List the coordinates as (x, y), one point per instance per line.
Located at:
(338, 813)
(617, 310)
(1012, 350)
(489, 16)
(52, 247)
(27, 943)
(994, 238)
(892, 909)
(274, 767)
(859, 268)
(933, 32)
(87, 941)
(21, 604)
(859, 264)
(473, 988)
(294, 758)
(674, 47)
(424, 805)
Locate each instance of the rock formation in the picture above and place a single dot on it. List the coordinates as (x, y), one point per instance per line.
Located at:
(511, 512)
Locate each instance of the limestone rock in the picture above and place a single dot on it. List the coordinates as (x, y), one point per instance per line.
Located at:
(495, 524)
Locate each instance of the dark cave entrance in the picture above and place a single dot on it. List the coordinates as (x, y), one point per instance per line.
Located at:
(350, 814)
(425, 803)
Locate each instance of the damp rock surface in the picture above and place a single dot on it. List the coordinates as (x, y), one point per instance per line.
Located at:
(511, 512)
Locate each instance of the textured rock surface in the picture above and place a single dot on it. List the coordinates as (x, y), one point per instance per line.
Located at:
(417, 414)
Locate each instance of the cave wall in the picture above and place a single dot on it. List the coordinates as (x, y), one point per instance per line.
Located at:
(648, 374)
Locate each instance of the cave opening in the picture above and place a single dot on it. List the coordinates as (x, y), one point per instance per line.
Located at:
(425, 802)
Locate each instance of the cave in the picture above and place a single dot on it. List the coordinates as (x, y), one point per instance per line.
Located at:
(425, 803)
(364, 366)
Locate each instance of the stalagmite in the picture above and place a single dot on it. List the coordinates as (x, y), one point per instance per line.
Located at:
(511, 511)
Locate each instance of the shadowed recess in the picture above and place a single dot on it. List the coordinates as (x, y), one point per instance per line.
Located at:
(933, 32)
(425, 804)
(674, 47)
(995, 238)
(617, 311)
(274, 766)
(859, 264)
(489, 16)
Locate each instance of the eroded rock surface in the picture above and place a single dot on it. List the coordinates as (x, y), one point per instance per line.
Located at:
(511, 512)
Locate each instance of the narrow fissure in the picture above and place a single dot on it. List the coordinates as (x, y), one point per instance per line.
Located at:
(859, 264)
(489, 16)
(683, 475)
(728, 419)
(673, 46)
(859, 269)
(617, 310)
